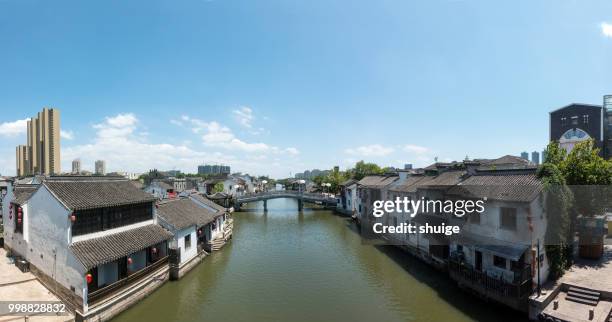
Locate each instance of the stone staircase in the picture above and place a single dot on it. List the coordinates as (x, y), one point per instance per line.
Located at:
(219, 242)
(583, 295)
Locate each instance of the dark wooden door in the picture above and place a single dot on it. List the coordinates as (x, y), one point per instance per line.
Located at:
(478, 261)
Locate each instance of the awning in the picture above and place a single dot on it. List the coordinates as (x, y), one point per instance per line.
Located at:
(494, 246)
(510, 252)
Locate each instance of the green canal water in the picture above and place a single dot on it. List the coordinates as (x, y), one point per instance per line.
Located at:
(311, 266)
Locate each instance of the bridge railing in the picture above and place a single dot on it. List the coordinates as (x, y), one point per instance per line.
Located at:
(291, 193)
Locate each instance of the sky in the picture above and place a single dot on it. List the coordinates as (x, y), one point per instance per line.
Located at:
(274, 87)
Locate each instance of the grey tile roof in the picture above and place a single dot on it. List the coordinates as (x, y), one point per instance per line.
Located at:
(507, 162)
(438, 165)
(377, 181)
(508, 159)
(411, 183)
(219, 195)
(448, 178)
(102, 250)
(499, 186)
(137, 184)
(348, 182)
(211, 204)
(87, 194)
(163, 185)
(445, 179)
(23, 193)
(184, 212)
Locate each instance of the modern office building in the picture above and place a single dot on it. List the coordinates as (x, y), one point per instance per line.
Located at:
(42, 149)
(525, 155)
(574, 123)
(76, 166)
(100, 167)
(214, 169)
(535, 157)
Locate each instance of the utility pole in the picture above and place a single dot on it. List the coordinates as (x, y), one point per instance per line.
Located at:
(538, 263)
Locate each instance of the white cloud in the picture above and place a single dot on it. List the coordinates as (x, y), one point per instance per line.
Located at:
(14, 128)
(292, 151)
(119, 126)
(116, 142)
(119, 140)
(67, 135)
(122, 120)
(606, 29)
(217, 135)
(373, 150)
(244, 116)
(415, 149)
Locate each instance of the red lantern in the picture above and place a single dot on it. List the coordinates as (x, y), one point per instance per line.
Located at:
(73, 217)
(130, 261)
(89, 278)
(19, 210)
(19, 220)
(199, 231)
(154, 250)
(19, 215)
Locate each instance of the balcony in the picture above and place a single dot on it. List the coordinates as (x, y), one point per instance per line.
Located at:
(513, 294)
(122, 284)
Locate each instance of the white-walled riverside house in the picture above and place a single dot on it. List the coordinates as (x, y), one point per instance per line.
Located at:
(94, 241)
(495, 254)
(196, 226)
(160, 189)
(163, 189)
(369, 189)
(348, 197)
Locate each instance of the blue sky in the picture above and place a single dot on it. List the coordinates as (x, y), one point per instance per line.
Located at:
(279, 86)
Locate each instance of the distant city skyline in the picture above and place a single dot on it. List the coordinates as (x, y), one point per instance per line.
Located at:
(176, 85)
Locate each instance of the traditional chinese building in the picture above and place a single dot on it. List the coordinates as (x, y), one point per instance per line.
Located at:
(94, 241)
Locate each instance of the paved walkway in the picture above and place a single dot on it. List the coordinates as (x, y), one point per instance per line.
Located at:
(591, 274)
(17, 286)
(595, 275)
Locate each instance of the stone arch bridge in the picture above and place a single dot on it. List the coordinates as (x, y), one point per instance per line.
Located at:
(302, 197)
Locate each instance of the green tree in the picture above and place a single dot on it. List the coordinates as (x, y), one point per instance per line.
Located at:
(363, 169)
(218, 187)
(577, 183)
(335, 178)
(589, 176)
(557, 241)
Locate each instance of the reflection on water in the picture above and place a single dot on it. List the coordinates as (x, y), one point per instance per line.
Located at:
(311, 266)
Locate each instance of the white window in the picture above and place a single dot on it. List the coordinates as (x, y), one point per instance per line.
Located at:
(188, 242)
(508, 218)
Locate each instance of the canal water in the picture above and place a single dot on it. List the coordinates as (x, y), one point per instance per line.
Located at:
(311, 266)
